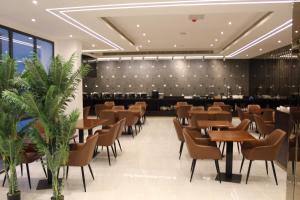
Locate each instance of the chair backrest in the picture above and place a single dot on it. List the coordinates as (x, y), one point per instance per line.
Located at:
(108, 115)
(198, 116)
(85, 155)
(197, 108)
(183, 111)
(178, 129)
(268, 116)
(86, 112)
(252, 108)
(244, 125)
(99, 108)
(261, 125)
(109, 137)
(142, 103)
(181, 103)
(121, 127)
(118, 108)
(131, 118)
(218, 103)
(214, 108)
(109, 104)
(275, 139)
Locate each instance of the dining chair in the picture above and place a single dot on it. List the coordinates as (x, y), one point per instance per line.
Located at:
(86, 112)
(202, 148)
(214, 109)
(182, 113)
(266, 149)
(118, 108)
(81, 155)
(99, 108)
(263, 128)
(131, 120)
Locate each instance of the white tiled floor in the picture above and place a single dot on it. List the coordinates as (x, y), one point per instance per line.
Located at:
(148, 168)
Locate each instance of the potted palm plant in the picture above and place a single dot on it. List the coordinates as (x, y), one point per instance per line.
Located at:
(46, 101)
(11, 142)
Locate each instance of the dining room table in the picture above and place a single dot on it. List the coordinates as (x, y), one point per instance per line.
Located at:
(88, 124)
(230, 136)
(204, 124)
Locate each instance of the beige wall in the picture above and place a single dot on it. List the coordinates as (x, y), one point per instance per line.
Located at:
(66, 48)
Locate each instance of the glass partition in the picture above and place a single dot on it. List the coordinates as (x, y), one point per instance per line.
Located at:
(4, 46)
(44, 52)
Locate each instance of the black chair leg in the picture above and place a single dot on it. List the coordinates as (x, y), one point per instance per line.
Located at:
(91, 171)
(108, 155)
(238, 146)
(119, 144)
(267, 168)
(274, 172)
(193, 168)
(67, 174)
(21, 165)
(180, 150)
(28, 175)
(43, 166)
(113, 150)
(218, 169)
(223, 149)
(83, 178)
(250, 163)
(242, 164)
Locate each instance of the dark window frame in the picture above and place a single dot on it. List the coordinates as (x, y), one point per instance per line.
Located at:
(34, 37)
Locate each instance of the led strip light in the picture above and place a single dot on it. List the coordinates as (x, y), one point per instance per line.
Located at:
(273, 32)
(61, 12)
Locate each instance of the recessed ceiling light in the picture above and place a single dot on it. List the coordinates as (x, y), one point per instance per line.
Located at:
(222, 33)
(144, 34)
(33, 20)
(138, 26)
(34, 2)
(175, 45)
(148, 41)
(247, 55)
(260, 49)
(296, 31)
(216, 40)
(70, 36)
(140, 46)
(229, 23)
(93, 45)
(279, 41)
(211, 45)
(29, 38)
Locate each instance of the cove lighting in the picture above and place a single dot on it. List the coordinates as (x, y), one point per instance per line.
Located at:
(61, 12)
(273, 32)
(96, 50)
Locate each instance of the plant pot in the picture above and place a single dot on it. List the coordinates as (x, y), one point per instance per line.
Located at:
(16, 196)
(59, 198)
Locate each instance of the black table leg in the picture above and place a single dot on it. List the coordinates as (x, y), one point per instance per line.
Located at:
(228, 176)
(81, 136)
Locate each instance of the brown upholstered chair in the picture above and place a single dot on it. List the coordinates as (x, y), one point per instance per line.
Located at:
(86, 112)
(82, 155)
(182, 112)
(218, 103)
(99, 108)
(242, 115)
(202, 148)
(263, 128)
(181, 103)
(197, 108)
(131, 120)
(110, 116)
(179, 130)
(107, 137)
(194, 117)
(214, 109)
(268, 116)
(109, 104)
(252, 110)
(144, 108)
(120, 131)
(118, 108)
(223, 116)
(266, 150)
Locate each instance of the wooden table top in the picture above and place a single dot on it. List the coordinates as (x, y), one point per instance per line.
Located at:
(208, 112)
(213, 123)
(89, 123)
(230, 136)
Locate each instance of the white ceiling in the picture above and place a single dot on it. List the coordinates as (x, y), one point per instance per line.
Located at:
(162, 22)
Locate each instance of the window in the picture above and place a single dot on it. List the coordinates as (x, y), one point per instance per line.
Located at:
(22, 49)
(4, 45)
(44, 51)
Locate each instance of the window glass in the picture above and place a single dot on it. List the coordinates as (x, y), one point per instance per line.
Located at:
(22, 49)
(4, 42)
(44, 52)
